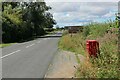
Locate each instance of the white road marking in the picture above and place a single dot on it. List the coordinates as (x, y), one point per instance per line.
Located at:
(30, 45)
(10, 53)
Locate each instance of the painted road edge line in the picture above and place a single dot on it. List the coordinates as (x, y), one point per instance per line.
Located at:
(10, 53)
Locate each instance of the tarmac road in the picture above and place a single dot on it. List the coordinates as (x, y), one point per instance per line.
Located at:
(29, 59)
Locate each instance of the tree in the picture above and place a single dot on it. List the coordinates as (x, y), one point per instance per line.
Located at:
(11, 20)
(23, 20)
(36, 12)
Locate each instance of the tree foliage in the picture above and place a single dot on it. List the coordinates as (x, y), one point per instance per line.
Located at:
(23, 20)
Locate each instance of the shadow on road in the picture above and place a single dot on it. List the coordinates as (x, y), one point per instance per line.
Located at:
(36, 37)
(49, 36)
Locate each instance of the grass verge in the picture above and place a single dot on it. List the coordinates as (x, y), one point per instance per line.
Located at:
(5, 45)
(106, 65)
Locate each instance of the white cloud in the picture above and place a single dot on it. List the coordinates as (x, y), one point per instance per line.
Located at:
(81, 0)
(110, 14)
(77, 13)
(64, 6)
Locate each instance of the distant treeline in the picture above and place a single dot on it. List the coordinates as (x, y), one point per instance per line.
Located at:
(23, 20)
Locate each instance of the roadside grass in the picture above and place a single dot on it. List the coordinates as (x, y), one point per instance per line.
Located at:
(106, 65)
(73, 44)
(5, 45)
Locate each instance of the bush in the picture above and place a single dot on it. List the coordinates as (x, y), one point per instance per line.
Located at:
(106, 65)
(86, 31)
(65, 33)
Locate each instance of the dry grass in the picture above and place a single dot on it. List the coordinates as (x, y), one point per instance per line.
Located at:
(5, 45)
(106, 65)
(74, 43)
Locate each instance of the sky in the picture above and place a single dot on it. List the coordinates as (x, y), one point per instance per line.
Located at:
(77, 12)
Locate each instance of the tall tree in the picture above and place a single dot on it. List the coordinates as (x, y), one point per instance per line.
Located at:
(22, 20)
(11, 19)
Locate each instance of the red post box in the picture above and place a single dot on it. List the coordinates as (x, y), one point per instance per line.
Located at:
(92, 47)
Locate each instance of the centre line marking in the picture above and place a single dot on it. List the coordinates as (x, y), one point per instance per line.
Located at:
(10, 53)
(30, 45)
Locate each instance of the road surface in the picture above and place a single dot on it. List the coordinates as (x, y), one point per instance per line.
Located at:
(29, 59)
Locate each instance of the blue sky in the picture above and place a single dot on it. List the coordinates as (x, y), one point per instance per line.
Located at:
(80, 13)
